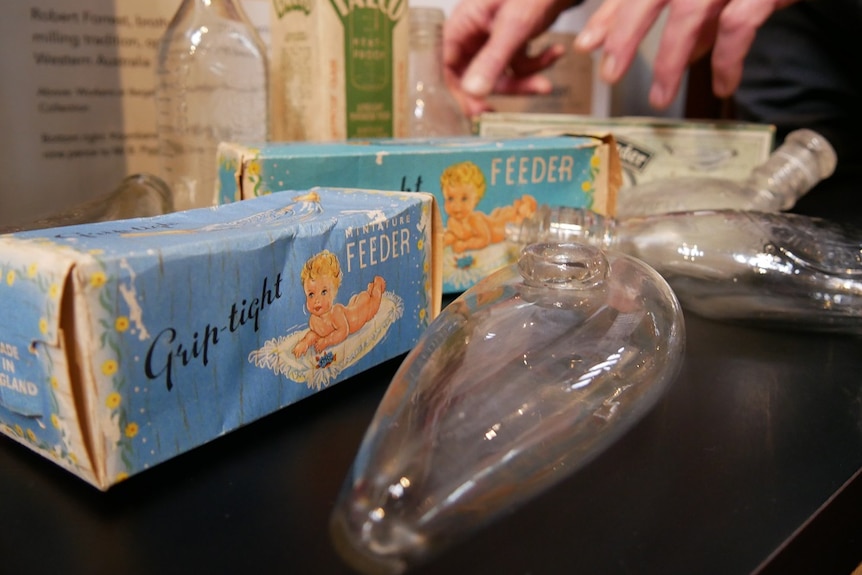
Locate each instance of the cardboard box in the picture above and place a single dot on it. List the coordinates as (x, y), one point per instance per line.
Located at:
(654, 148)
(480, 183)
(338, 69)
(126, 343)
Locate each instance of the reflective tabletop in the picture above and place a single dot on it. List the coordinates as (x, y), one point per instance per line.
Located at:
(748, 465)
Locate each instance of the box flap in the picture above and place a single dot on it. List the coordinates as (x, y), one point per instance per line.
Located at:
(34, 280)
(38, 397)
(615, 174)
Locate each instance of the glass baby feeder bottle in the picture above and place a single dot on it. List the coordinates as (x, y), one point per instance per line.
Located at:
(212, 87)
(519, 382)
(435, 112)
(797, 165)
(771, 268)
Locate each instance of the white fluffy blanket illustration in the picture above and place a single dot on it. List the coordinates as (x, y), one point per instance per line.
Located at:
(317, 370)
(464, 269)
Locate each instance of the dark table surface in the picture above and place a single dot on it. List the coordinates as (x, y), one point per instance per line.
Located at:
(748, 465)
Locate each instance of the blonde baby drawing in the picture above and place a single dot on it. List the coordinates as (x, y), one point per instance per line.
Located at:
(467, 228)
(330, 323)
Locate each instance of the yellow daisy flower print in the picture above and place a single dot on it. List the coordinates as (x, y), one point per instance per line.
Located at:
(113, 401)
(98, 279)
(110, 367)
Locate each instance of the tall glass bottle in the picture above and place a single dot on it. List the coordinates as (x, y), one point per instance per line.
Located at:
(434, 111)
(773, 268)
(212, 87)
(517, 384)
(797, 165)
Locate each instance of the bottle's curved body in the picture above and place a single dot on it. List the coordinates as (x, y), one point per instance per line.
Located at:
(212, 87)
(797, 165)
(514, 386)
(769, 268)
(781, 269)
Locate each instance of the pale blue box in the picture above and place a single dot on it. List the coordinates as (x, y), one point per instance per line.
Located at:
(126, 343)
(516, 172)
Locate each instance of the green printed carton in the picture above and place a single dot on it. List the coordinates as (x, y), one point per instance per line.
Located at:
(338, 69)
(481, 184)
(126, 343)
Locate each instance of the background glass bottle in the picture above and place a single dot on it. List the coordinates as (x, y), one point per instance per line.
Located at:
(434, 111)
(136, 196)
(212, 87)
(771, 268)
(797, 165)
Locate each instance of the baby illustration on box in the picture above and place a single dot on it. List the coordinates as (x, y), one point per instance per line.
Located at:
(337, 335)
(473, 238)
(330, 323)
(467, 228)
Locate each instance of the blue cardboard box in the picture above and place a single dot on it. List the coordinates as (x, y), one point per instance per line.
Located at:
(480, 184)
(123, 344)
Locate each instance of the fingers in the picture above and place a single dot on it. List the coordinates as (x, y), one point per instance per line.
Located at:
(737, 28)
(523, 64)
(492, 62)
(478, 45)
(687, 22)
(618, 27)
(594, 32)
(465, 31)
(522, 76)
(484, 40)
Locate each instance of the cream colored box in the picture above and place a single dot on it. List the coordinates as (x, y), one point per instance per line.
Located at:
(654, 148)
(338, 69)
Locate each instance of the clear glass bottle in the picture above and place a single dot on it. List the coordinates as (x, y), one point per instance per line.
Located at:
(137, 196)
(797, 165)
(518, 383)
(434, 111)
(212, 87)
(769, 268)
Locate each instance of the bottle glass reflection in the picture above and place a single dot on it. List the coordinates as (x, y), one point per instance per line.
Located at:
(435, 112)
(770, 268)
(137, 196)
(518, 383)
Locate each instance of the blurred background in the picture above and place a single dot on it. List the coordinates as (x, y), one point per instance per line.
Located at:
(78, 108)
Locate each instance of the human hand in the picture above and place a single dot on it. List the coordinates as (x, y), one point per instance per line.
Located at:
(692, 28)
(485, 49)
